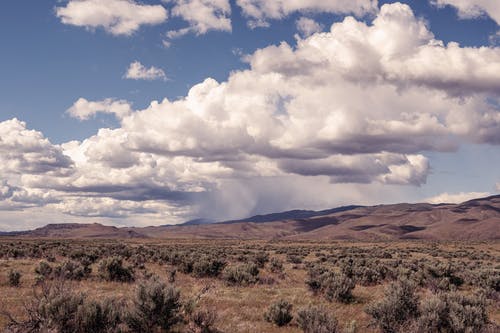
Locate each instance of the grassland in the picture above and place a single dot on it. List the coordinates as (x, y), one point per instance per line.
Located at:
(209, 276)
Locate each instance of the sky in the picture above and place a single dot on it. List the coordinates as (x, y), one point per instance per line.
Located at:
(156, 112)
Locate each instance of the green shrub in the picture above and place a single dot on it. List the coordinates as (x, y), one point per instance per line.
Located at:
(314, 319)
(112, 269)
(433, 315)
(14, 278)
(276, 265)
(294, 259)
(57, 308)
(43, 269)
(243, 274)
(203, 321)
(186, 265)
(72, 270)
(279, 313)
(337, 287)
(96, 317)
(156, 307)
(399, 305)
(454, 313)
(261, 258)
(171, 275)
(315, 276)
(207, 266)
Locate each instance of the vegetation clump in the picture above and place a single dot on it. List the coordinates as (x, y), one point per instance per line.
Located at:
(208, 267)
(112, 269)
(453, 312)
(242, 274)
(279, 313)
(397, 308)
(313, 319)
(14, 278)
(156, 307)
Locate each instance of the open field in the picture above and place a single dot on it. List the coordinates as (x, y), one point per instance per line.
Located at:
(228, 285)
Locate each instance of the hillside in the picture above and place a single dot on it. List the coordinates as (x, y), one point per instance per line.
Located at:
(477, 219)
(74, 230)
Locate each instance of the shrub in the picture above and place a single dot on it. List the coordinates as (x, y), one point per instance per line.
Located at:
(433, 315)
(186, 265)
(208, 267)
(315, 278)
(276, 265)
(294, 259)
(488, 279)
(399, 305)
(171, 275)
(156, 306)
(338, 287)
(243, 274)
(57, 309)
(314, 319)
(14, 278)
(112, 269)
(453, 312)
(279, 313)
(202, 321)
(442, 276)
(95, 317)
(72, 270)
(44, 269)
(261, 258)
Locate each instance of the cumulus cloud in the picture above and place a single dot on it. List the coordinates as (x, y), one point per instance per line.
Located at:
(260, 12)
(83, 109)
(495, 38)
(137, 71)
(397, 47)
(360, 104)
(24, 151)
(118, 17)
(473, 8)
(307, 26)
(456, 197)
(14, 198)
(107, 207)
(202, 16)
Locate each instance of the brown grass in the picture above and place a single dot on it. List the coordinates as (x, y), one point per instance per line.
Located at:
(240, 309)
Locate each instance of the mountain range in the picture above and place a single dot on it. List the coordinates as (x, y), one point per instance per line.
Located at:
(477, 219)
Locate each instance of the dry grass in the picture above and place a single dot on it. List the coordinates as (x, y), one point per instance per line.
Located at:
(241, 308)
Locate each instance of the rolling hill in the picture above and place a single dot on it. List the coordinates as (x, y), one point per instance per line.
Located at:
(477, 219)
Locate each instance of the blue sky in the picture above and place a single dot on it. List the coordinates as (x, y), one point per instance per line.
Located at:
(52, 56)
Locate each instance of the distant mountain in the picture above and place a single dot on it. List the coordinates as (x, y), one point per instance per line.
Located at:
(292, 215)
(198, 222)
(473, 220)
(75, 230)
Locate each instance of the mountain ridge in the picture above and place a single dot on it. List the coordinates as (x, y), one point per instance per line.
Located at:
(476, 219)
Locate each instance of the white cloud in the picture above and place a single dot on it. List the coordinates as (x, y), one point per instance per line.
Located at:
(202, 16)
(456, 197)
(137, 71)
(473, 8)
(498, 186)
(24, 151)
(307, 26)
(260, 12)
(118, 17)
(83, 109)
(396, 48)
(359, 104)
(495, 39)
